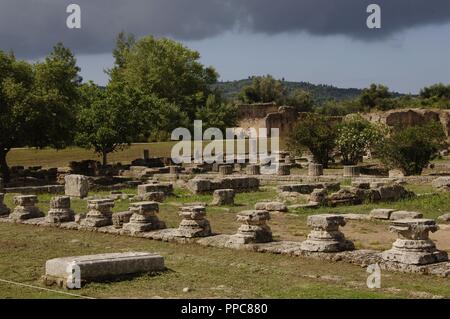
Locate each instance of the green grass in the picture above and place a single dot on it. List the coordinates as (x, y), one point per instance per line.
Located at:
(209, 272)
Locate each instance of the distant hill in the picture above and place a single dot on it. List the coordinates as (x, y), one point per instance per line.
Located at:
(320, 92)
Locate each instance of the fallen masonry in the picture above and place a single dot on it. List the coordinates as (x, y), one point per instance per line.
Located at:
(413, 245)
(99, 213)
(25, 208)
(239, 184)
(60, 210)
(165, 188)
(271, 206)
(307, 189)
(194, 222)
(254, 228)
(144, 218)
(223, 197)
(76, 186)
(101, 267)
(325, 235)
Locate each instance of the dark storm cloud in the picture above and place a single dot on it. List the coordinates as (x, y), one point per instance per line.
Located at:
(31, 27)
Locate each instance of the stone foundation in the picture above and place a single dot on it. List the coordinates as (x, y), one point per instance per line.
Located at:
(194, 224)
(413, 246)
(315, 170)
(225, 169)
(166, 188)
(253, 170)
(60, 211)
(25, 208)
(325, 236)
(144, 218)
(222, 197)
(239, 184)
(254, 228)
(99, 213)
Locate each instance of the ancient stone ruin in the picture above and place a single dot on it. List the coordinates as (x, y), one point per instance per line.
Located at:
(283, 170)
(76, 186)
(239, 184)
(223, 197)
(4, 210)
(351, 171)
(60, 211)
(315, 170)
(306, 188)
(26, 208)
(271, 206)
(253, 170)
(99, 213)
(194, 223)
(225, 169)
(97, 268)
(119, 219)
(166, 188)
(413, 245)
(254, 228)
(144, 218)
(325, 235)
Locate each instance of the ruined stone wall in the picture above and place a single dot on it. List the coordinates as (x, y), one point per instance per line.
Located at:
(411, 117)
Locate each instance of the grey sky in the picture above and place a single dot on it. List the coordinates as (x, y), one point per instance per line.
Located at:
(322, 41)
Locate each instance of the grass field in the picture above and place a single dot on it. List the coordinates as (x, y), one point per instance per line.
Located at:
(212, 272)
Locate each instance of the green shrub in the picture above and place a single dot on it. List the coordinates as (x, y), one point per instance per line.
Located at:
(411, 149)
(316, 133)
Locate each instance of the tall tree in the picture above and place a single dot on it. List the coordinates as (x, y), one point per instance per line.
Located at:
(167, 70)
(37, 102)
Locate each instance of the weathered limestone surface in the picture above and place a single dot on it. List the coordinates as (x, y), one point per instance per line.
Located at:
(4, 210)
(144, 218)
(271, 206)
(223, 197)
(150, 197)
(225, 169)
(166, 188)
(442, 183)
(101, 267)
(315, 169)
(283, 170)
(194, 223)
(413, 245)
(325, 235)
(351, 171)
(76, 186)
(253, 170)
(254, 228)
(25, 208)
(381, 213)
(405, 215)
(119, 219)
(307, 189)
(60, 211)
(99, 213)
(319, 197)
(204, 186)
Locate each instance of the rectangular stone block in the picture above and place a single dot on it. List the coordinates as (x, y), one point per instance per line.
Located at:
(405, 215)
(103, 266)
(76, 186)
(382, 214)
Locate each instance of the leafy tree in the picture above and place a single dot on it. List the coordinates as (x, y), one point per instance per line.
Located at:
(355, 137)
(164, 69)
(438, 91)
(37, 102)
(376, 96)
(216, 113)
(263, 89)
(301, 100)
(316, 133)
(107, 120)
(411, 149)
